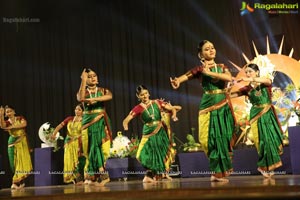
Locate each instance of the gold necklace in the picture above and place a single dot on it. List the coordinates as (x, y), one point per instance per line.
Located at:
(150, 115)
(257, 93)
(90, 92)
(215, 67)
(73, 127)
(214, 80)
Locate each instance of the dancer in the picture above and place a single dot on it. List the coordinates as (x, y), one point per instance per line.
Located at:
(154, 151)
(264, 123)
(216, 119)
(97, 123)
(166, 116)
(18, 150)
(75, 148)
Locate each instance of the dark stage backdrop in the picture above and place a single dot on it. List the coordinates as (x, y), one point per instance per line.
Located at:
(127, 42)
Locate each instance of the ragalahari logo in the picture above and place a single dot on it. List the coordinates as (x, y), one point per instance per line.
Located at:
(246, 8)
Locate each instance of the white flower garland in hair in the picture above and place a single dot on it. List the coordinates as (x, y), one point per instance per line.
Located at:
(266, 68)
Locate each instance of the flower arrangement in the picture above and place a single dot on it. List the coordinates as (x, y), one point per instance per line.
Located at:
(123, 147)
(45, 134)
(133, 146)
(120, 146)
(191, 145)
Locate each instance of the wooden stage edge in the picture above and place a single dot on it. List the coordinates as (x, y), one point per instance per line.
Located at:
(239, 187)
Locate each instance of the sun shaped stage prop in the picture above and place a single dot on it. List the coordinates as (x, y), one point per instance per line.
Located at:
(283, 65)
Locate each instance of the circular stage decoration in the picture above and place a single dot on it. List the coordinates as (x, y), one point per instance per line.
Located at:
(285, 103)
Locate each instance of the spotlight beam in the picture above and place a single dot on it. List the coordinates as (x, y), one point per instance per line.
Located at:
(204, 15)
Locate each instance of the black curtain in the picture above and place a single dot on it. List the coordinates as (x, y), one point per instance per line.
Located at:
(127, 43)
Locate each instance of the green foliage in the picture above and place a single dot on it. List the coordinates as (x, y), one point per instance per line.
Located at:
(48, 136)
(191, 144)
(133, 146)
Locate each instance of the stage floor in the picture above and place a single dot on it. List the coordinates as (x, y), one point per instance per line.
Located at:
(239, 187)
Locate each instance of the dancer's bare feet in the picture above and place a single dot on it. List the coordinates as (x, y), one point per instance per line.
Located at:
(166, 176)
(271, 173)
(104, 177)
(79, 183)
(213, 178)
(103, 182)
(264, 173)
(148, 179)
(14, 186)
(89, 182)
(157, 177)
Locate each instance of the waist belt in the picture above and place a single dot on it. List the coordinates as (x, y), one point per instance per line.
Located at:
(218, 91)
(93, 111)
(262, 105)
(153, 123)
